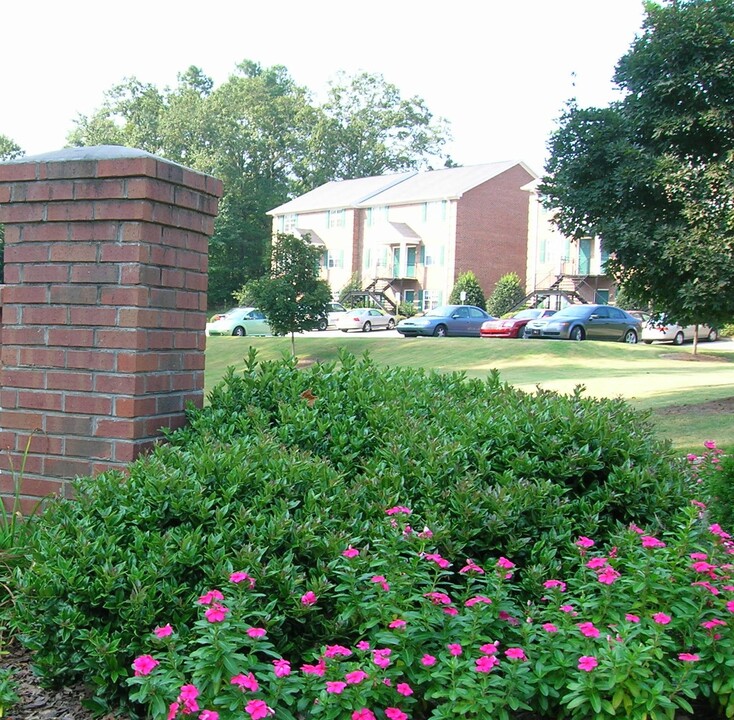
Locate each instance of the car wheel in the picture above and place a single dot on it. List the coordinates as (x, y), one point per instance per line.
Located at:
(323, 324)
(523, 333)
(577, 333)
(390, 324)
(678, 339)
(440, 331)
(367, 327)
(630, 337)
(239, 331)
(713, 335)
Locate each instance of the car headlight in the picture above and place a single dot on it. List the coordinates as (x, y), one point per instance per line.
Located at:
(422, 323)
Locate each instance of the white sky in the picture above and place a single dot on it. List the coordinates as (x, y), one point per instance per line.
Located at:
(499, 70)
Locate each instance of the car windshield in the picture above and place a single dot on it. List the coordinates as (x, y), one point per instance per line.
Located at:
(441, 311)
(527, 314)
(572, 311)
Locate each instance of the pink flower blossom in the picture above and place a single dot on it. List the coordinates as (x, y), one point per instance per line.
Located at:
(436, 557)
(455, 649)
(503, 615)
(438, 598)
(485, 663)
(336, 651)
(363, 645)
(715, 529)
(164, 631)
(515, 653)
(393, 713)
(705, 584)
(730, 606)
(587, 663)
(701, 566)
(172, 711)
(246, 682)
(629, 617)
(187, 696)
(397, 624)
(398, 509)
(698, 556)
(477, 599)
(281, 667)
(648, 541)
(335, 687)
(428, 660)
(596, 563)
(350, 552)
(404, 689)
(381, 657)
(318, 669)
(698, 504)
(548, 584)
(450, 610)
(505, 564)
(710, 444)
(210, 597)
(216, 613)
(691, 457)
(550, 627)
(471, 566)
(636, 529)
(426, 533)
(608, 576)
(363, 714)
(567, 609)
(258, 709)
(489, 648)
(710, 624)
(661, 618)
(309, 598)
(209, 715)
(144, 665)
(688, 657)
(256, 632)
(240, 576)
(355, 677)
(588, 629)
(584, 542)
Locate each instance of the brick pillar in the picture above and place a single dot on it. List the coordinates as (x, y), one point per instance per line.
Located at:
(104, 309)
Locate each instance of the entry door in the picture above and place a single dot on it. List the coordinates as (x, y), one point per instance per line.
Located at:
(584, 256)
(396, 262)
(410, 270)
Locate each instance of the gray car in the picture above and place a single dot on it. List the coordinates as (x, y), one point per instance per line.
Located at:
(446, 320)
(587, 322)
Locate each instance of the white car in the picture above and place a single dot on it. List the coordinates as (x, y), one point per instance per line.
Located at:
(657, 329)
(365, 319)
(334, 311)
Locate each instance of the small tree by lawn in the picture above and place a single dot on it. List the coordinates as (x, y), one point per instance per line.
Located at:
(508, 292)
(467, 282)
(291, 296)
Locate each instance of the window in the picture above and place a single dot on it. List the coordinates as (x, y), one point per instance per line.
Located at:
(543, 251)
(430, 299)
(335, 218)
(435, 211)
(290, 222)
(335, 259)
(604, 258)
(409, 297)
(432, 255)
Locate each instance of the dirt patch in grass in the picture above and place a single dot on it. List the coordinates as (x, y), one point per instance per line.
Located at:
(698, 357)
(723, 406)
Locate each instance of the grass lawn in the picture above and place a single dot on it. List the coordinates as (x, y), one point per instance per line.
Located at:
(690, 400)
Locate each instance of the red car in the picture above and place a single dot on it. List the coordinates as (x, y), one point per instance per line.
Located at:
(513, 327)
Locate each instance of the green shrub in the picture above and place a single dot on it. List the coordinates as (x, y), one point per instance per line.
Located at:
(467, 282)
(508, 292)
(285, 467)
(716, 473)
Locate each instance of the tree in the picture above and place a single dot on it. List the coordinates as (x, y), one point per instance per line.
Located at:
(468, 283)
(292, 296)
(652, 174)
(508, 292)
(8, 151)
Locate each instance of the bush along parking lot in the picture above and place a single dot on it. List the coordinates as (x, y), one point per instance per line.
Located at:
(275, 527)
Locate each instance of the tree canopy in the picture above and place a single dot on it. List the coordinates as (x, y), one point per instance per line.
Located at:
(652, 174)
(467, 282)
(8, 151)
(267, 140)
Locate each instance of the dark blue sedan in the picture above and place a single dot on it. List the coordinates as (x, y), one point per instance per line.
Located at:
(455, 320)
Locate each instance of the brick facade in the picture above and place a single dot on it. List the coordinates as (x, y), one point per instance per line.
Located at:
(104, 309)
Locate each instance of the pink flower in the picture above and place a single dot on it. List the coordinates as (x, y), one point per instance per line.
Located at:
(596, 563)
(255, 632)
(363, 714)
(216, 613)
(648, 541)
(515, 653)
(477, 599)
(381, 657)
(337, 650)
(584, 542)
(397, 624)
(489, 648)
(688, 657)
(318, 669)
(485, 663)
(355, 677)
(428, 660)
(239, 576)
(438, 598)
(608, 576)
(172, 711)
(350, 552)
(567, 609)
(710, 624)
(631, 618)
(505, 564)
(393, 713)
(636, 529)
(703, 583)
(281, 667)
(187, 695)
(210, 597)
(246, 682)
(548, 584)
(336, 687)
(471, 566)
(588, 629)
(164, 631)
(715, 529)
(550, 627)
(701, 566)
(398, 509)
(698, 556)
(661, 618)
(450, 610)
(426, 533)
(309, 598)
(258, 709)
(380, 580)
(404, 689)
(730, 606)
(363, 645)
(436, 557)
(144, 665)
(209, 715)
(455, 649)
(710, 444)
(504, 615)
(587, 663)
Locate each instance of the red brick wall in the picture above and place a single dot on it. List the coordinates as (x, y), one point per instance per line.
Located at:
(492, 229)
(104, 309)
